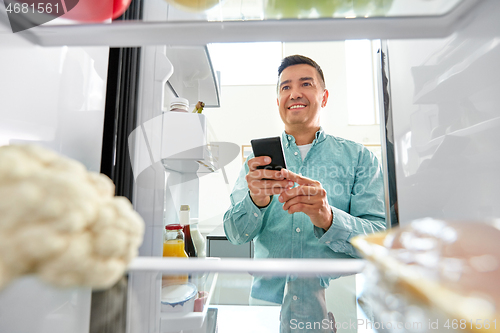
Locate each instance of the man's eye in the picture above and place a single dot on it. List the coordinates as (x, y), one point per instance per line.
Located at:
(307, 84)
(284, 88)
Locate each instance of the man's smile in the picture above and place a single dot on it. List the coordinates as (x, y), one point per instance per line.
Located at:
(297, 106)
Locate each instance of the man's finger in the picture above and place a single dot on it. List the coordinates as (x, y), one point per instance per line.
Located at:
(301, 180)
(303, 190)
(258, 161)
(301, 199)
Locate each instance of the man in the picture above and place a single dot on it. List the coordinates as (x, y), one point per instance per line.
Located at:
(331, 192)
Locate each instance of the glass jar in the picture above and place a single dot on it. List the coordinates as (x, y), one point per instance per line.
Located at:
(173, 241)
(173, 246)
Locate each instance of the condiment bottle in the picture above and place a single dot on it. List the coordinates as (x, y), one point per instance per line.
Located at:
(173, 246)
(198, 239)
(188, 241)
(179, 104)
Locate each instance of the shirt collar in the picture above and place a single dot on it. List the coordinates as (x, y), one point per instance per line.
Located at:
(319, 137)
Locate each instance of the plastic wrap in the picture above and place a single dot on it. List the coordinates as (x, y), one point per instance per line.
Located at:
(434, 275)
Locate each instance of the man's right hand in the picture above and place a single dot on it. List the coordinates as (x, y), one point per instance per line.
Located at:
(264, 183)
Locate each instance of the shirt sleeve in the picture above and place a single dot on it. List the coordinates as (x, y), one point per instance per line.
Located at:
(243, 220)
(367, 208)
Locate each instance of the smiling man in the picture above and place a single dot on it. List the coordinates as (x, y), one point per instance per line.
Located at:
(331, 192)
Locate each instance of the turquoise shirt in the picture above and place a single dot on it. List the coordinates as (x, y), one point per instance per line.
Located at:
(352, 177)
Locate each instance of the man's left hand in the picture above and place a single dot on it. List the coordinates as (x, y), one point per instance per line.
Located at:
(309, 197)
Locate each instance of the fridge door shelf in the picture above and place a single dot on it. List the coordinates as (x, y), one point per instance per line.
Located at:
(172, 322)
(183, 145)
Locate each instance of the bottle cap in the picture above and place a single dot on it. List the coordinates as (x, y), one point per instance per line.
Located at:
(184, 215)
(173, 227)
(179, 103)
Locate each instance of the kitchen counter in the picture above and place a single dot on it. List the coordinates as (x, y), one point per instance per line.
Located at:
(248, 319)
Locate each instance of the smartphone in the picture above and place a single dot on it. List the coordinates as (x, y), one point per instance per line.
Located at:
(271, 147)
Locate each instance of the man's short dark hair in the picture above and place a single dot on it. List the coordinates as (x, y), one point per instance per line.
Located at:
(298, 59)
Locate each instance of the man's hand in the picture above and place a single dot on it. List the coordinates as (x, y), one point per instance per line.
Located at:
(309, 197)
(262, 189)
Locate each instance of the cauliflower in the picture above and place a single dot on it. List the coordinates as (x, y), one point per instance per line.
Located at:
(61, 222)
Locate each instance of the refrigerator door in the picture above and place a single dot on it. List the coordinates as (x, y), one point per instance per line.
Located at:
(53, 97)
(446, 121)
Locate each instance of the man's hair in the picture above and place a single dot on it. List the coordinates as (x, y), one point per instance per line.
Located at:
(298, 59)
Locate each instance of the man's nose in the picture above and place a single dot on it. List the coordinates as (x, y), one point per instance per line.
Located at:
(295, 93)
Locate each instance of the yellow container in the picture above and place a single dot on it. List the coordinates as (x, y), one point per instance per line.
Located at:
(173, 246)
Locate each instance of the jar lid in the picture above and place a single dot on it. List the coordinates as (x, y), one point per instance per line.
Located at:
(179, 100)
(173, 227)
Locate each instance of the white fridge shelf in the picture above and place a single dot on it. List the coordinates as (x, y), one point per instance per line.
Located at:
(277, 267)
(188, 32)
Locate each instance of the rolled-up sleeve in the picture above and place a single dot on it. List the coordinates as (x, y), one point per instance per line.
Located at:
(243, 220)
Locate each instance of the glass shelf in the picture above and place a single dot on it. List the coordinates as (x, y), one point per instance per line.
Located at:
(261, 20)
(174, 322)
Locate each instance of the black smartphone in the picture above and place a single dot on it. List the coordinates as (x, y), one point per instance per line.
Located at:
(270, 147)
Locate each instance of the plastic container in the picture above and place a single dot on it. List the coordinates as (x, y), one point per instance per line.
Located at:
(198, 239)
(178, 298)
(179, 104)
(173, 246)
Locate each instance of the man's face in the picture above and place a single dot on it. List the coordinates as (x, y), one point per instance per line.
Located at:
(301, 96)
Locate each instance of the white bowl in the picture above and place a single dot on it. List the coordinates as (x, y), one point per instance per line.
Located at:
(178, 298)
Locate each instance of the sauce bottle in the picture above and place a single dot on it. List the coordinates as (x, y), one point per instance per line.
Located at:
(173, 246)
(188, 241)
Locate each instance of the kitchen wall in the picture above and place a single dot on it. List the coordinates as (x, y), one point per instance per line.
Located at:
(248, 112)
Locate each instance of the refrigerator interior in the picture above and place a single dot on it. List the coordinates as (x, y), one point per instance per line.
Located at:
(444, 133)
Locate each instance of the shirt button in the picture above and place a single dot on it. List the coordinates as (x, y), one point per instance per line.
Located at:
(325, 242)
(289, 137)
(255, 214)
(298, 229)
(294, 297)
(246, 235)
(295, 153)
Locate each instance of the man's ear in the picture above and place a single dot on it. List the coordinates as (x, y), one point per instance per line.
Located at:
(278, 101)
(325, 98)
